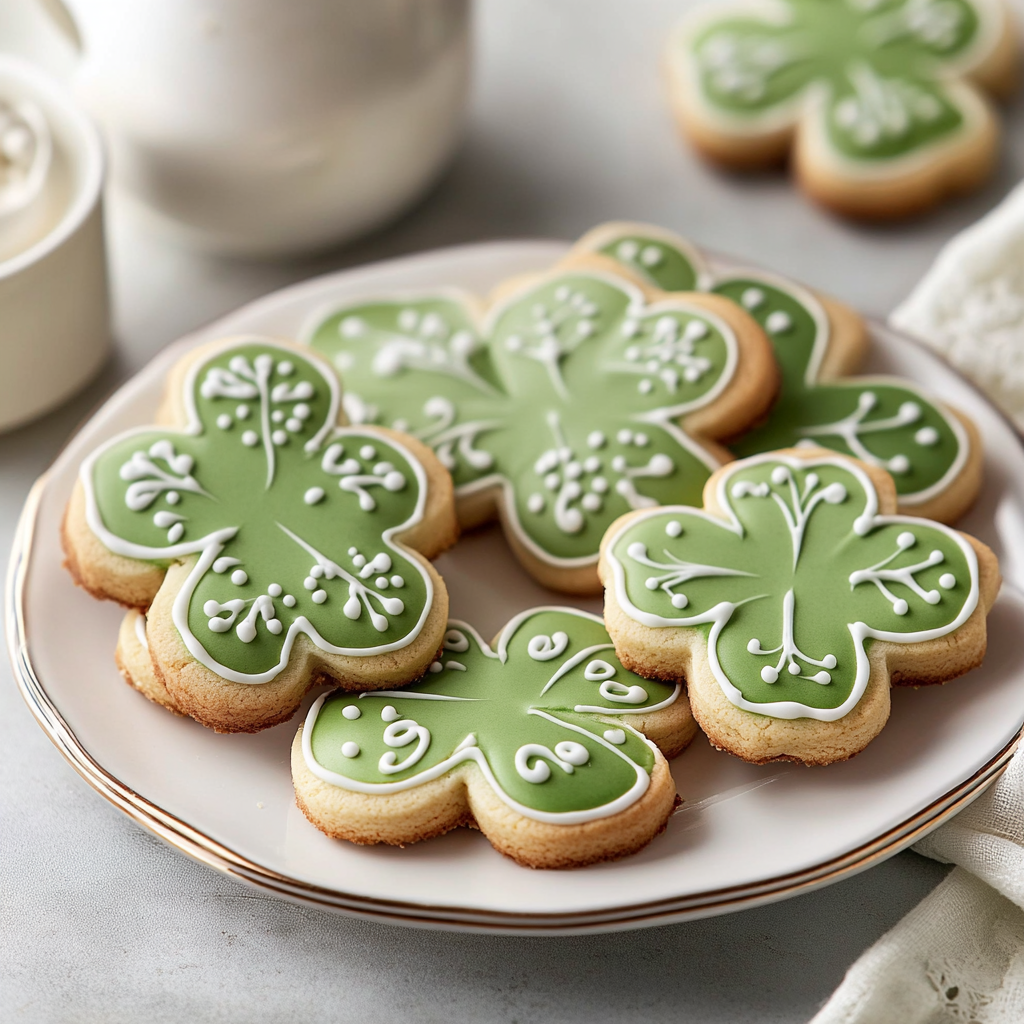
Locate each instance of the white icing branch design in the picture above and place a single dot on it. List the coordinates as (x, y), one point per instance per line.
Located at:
(360, 594)
(852, 427)
(427, 342)
(667, 354)
(353, 477)
(400, 733)
(568, 755)
(742, 66)
(149, 480)
(789, 653)
(883, 108)
(442, 435)
(796, 508)
(676, 572)
(879, 575)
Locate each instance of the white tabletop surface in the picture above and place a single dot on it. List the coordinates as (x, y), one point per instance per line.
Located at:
(103, 922)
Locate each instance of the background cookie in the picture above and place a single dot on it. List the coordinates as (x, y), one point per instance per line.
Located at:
(545, 742)
(933, 452)
(277, 547)
(792, 601)
(882, 104)
(578, 395)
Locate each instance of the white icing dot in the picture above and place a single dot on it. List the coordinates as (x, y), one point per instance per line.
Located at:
(294, 425)
(383, 468)
(397, 582)
(616, 736)
(408, 319)
(352, 327)
(277, 416)
(250, 439)
(435, 667)
(591, 502)
(680, 600)
(900, 607)
(595, 439)
(624, 436)
(353, 550)
(313, 495)
(752, 298)
(906, 540)
(599, 485)
(224, 421)
(285, 367)
(899, 464)
(619, 464)
(242, 412)
(239, 576)
(172, 497)
(381, 582)
(513, 343)
(651, 256)
(592, 465)
(351, 712)
(309, 583)
(778, 322)
(947, 581)
(769, 674)
(627, 250)
(388, 713)
(279, 437)
(319, 596)
(367, 452)
(585, 328)
(645, 387)
(274, 590)
(289, 601)
(349, 748)
(630, 329)
(357, 560)
(641, 440)
(573, 471)
(301, 411)
(535, 503)
(552, 481)
(927, 436)
(317, 571)
(794, 668)
(275, 626)
(673, 528)
(174, 534)
(246, 632)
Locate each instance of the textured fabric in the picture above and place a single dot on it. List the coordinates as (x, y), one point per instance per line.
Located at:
(959, 955)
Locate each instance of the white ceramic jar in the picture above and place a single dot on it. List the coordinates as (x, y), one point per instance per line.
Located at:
(272, 126)
(54, 310)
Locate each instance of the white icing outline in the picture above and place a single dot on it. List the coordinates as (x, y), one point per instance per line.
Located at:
(665, 417)
(471, 752)
(209, 547)
(720, 614)
(708, 280)
(804, 112)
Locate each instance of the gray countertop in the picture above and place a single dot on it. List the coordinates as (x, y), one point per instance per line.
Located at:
(102, 921)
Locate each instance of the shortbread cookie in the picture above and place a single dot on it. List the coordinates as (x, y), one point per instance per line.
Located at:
(793, 600)
(272, 546)
(933, 452)
(883, 105)
(575, 397)
(545, 743)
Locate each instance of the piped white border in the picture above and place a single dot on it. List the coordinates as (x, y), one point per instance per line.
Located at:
(210, 546)
(720, 614)
(474, 753)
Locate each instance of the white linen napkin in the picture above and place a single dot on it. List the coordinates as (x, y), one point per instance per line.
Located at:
(959, 955)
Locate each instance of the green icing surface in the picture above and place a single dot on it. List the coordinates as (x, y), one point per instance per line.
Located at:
(500, 695)
(881, 66)
(795, 579)
(249, 502)
(662, 265)
(569, 392)
(885, 423)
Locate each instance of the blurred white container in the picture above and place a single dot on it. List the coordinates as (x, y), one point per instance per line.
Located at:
(54, 309)
(264, 127)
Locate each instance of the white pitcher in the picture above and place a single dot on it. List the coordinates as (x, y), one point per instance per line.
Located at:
(272, 126)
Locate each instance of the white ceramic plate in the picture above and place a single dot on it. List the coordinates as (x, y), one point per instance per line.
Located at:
(745, 834)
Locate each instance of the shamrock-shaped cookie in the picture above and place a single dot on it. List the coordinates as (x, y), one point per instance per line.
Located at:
(933, 452)
(272, 546)
(545, 742)
(575, 397)
(881, 101)
(792, 600)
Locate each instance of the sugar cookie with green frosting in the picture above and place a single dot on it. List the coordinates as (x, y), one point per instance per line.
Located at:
(542, 740)
(883, 104)
(271, 546)
(933, 452)
(573, 397)
(793, 600)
